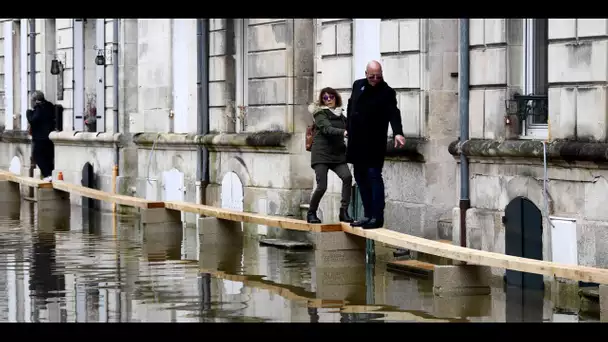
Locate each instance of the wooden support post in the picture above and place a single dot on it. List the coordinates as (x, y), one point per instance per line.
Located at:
(162, 231)
(461, 280)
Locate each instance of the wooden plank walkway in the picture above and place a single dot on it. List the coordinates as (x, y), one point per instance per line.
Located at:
(482, 258)
(238, 216)
(389, 237)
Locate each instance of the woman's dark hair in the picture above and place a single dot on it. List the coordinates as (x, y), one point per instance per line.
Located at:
(330, 91)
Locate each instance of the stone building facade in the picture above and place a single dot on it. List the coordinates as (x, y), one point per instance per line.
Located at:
(262, 75)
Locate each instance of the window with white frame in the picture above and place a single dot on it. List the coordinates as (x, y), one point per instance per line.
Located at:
(242, 78)
(536, 82)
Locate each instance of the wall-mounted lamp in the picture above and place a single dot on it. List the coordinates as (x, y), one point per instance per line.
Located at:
(100, 59)
(55, 67)
(103, 56)
(57, 70)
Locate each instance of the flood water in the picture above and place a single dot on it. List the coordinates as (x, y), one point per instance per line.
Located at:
(83, 266)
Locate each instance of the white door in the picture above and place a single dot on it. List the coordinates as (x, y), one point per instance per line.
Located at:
(173, 186)
(15, 166)
(232, 192)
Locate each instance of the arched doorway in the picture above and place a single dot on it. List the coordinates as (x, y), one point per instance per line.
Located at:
(523, 238)
(15, 166)
(232, 192)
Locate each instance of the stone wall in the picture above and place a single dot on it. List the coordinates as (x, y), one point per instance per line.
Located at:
(419, 57)
(576, 176)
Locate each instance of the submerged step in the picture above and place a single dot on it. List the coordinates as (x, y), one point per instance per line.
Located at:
(413, 267)
(287, 244)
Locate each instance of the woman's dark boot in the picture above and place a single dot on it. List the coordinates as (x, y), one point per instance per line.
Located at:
(344, 216)
(311, 217)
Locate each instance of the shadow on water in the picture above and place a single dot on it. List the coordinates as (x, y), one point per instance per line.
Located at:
(89, 266)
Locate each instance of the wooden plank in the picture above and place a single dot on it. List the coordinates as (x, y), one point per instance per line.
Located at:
(106, 196)
(238, 216)
(483, 258)
(285, 291)
(23, 180)
(415, 264)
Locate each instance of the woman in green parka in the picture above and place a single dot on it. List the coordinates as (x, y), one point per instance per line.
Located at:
(328, 152)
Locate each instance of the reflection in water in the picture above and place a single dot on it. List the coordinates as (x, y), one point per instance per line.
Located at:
(70, 267)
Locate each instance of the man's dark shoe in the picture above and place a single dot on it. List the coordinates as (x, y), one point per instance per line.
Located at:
(311, 217)
(344, 216)
(373, 223)
(360, 223)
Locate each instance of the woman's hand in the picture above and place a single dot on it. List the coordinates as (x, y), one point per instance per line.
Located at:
(345, 134)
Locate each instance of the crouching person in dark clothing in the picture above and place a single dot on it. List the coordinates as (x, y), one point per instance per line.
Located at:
(42, 122)
(328, 152)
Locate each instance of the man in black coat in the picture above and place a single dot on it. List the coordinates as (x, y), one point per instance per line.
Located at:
(42, 123)
(372, 105)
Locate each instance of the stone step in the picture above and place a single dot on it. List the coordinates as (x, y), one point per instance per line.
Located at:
(412, 267)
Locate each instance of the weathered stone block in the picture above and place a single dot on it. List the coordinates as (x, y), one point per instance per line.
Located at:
(389, 35)
(268, 91)
(219, 24)
(409, 176)
(604, 303)
(328, 40)
(163, 241)
(409, 103)
(586, 61)
(495, 30)
(476, 113)
(160, 215)
(588, 27)
(344, 38)
(476, 31)
(562, 119)
(562, 28)
(271, 36)
(337, 72)
(268, 64)
(338, 283)
(214, 231)
(462, 306)
(593, 102)
(488, 66)
(402, 71)
(494, 113)
(461, 280)
(9, 192)
(333, 241)
(217, 68)
(409, 35)
(339, 258)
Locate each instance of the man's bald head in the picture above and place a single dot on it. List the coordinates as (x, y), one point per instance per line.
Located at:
(373, 72)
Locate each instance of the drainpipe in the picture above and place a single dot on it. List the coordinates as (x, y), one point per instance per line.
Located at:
(463, 73)
(202, 85)
(32, 88)
(116, 91)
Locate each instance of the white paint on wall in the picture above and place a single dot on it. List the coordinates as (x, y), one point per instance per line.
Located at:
(564, 241)
(78, 72)
(366, 34)
(9, 109)
(182, 73)
(23, 79)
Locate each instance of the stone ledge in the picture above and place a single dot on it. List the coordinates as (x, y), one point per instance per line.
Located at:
(413, 149)
(19, 137)
(266, 141)
(96, 139)
(565, 150)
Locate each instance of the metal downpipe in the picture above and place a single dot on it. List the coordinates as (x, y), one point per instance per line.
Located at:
(116, 87)
(463, 99)
(32, 62)
(202, 85)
